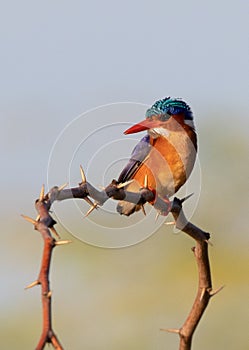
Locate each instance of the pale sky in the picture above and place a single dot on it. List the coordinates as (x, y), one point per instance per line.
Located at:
(60, 58)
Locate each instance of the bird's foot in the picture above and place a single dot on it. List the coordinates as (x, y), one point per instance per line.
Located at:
(168, 206)
(163, 205)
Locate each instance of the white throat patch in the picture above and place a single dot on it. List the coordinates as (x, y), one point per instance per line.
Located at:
(156, 132)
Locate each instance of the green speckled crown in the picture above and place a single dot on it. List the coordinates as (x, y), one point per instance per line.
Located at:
(170, 106)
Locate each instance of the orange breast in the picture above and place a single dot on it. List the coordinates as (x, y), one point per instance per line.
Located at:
(169, 162)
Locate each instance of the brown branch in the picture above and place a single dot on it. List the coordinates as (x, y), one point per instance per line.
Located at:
(48, 335)
(204, 292)
(45, 225)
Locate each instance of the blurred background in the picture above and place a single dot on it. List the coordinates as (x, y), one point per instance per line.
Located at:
(60, 59)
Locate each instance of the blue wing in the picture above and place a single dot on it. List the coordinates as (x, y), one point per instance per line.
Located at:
(138, 155)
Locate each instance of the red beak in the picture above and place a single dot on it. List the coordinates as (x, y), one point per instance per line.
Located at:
(143, 125)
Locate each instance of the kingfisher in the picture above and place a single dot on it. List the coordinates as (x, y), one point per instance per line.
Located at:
(165, 156)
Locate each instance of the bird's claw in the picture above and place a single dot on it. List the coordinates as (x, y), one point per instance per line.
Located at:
(163, 206)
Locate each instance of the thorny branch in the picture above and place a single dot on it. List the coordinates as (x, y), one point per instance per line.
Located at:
(204, 292)
(44, 223)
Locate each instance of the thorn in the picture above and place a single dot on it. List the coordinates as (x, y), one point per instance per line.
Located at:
(146, 181)
(27, 218)
(88, 200)
(157, 216)
(53, 230)
(203, 291)
(187, 197)
(143, 210)
(62, 242)
(49, 294)
(91, 209)
(171, 330)
(170, 223)
(42, 193)
(124, 184)
(216, 291)
(83, 176)
(35, 283)
(38, 217)
(208, 242)
(62, 186)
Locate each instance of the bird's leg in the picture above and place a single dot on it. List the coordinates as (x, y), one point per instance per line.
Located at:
(168, 205)
(163, 205)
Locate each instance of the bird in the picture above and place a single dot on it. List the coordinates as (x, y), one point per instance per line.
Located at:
(164, 157)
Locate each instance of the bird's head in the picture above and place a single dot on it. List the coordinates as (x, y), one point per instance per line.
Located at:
(158, 115)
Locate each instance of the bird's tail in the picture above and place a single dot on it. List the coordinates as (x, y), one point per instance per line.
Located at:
(126, 208)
